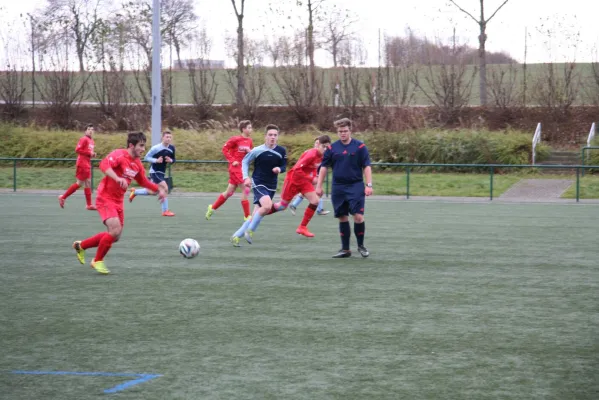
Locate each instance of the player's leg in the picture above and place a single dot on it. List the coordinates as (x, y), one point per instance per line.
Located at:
(295, 203)
(165, 210)
(245, 203)
(143, 191)
(221, 199)
(244, 227)
(341, 210)
(302, 229)
(81, 174)
(356, 208)
(265, 205)
(320, 209)
(289, 190)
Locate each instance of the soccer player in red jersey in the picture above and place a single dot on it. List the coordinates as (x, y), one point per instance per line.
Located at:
(120, 167)
(83, 174)
(300, 179)
(234, 150)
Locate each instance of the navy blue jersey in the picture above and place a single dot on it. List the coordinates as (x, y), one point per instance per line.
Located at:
(265, 159)
(157, 151)
(347, 161)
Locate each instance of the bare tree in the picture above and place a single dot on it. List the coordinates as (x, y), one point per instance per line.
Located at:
(202, 78)
(80, 17)
(482, 39)
(312, 6)
(557, 89)
(592, 87)
(240, 89)
(448, 86)
(337, 29)
(180, 23)
(503, 86)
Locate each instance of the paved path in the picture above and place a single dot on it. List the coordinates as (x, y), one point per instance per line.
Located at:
(512, 199)
(538, 189)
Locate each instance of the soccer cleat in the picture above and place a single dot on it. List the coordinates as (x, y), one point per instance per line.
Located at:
(91, 207)
(209, 212)
(235, 241)
(61, 201)
(100, 267)
(363, 251)
(343, 254)
(80, 252)
(168, 213)
(323, 212)
(292, 210)
(131, 195)
(303, 230)
(248, 236)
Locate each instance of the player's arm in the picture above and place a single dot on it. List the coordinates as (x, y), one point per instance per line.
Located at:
(367, 170)
(83, 147)
(143, 181)
(327, 160)
(150, 155)
(107, 165)
(171, 159)
(245, 163)
(283, 166)
(228, 148)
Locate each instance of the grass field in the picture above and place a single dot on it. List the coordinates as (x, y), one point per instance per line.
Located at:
(421, 184)
(457, 301)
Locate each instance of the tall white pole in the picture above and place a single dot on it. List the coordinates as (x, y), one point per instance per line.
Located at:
(156, 82)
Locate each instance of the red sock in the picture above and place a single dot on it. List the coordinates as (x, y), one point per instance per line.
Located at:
(105, 245)
(72, 189)
(93, 241)
(219, 202)
(246, 208)
(308, 214)
(88, 196)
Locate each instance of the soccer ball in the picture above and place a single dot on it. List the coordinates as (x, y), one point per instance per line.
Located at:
(189, 248)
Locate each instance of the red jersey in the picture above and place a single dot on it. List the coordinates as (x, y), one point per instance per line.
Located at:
(125, 167)
(85, 149)
(305, 168)
(237, 147)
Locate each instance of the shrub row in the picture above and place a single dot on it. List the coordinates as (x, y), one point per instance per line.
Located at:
(460, 147)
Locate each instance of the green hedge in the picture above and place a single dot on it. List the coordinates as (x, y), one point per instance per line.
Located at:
(460, 147)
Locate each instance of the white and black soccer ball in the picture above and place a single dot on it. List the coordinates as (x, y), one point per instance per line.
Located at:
(189, 248)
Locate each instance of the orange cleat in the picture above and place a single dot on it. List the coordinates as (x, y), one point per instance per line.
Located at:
(303, 230)
(61, 201)
(168, 213)
(91, 207)
(131, 195)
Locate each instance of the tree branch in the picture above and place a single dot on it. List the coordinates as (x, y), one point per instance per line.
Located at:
(498, 8)
(467, 13)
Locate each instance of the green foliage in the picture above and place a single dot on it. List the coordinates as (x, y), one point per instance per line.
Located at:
(447, 147)
(443, 147)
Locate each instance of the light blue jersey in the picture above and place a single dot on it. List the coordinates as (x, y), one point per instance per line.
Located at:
(265, 159)
(157, 151)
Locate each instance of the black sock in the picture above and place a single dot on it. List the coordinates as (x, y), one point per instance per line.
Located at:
(345, 232)
(359, 231)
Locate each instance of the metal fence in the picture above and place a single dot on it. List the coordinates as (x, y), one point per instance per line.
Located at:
(408, 167)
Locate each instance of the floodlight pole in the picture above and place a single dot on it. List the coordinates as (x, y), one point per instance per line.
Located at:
(156, 69)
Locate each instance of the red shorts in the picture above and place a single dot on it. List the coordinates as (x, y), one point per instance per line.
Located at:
(235, 175)
(110, 209)
(291, 188)
(83, 172)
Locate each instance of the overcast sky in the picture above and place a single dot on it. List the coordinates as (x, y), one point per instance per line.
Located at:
(573, 24)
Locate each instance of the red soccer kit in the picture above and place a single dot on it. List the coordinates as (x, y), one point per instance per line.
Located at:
(299, 178)
(84, 149)
(234, 150)
(109, 200)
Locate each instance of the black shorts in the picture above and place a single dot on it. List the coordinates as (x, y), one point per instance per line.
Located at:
(157, 177)
(348, 199)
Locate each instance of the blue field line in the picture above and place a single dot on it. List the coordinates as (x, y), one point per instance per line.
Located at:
(141, 378)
